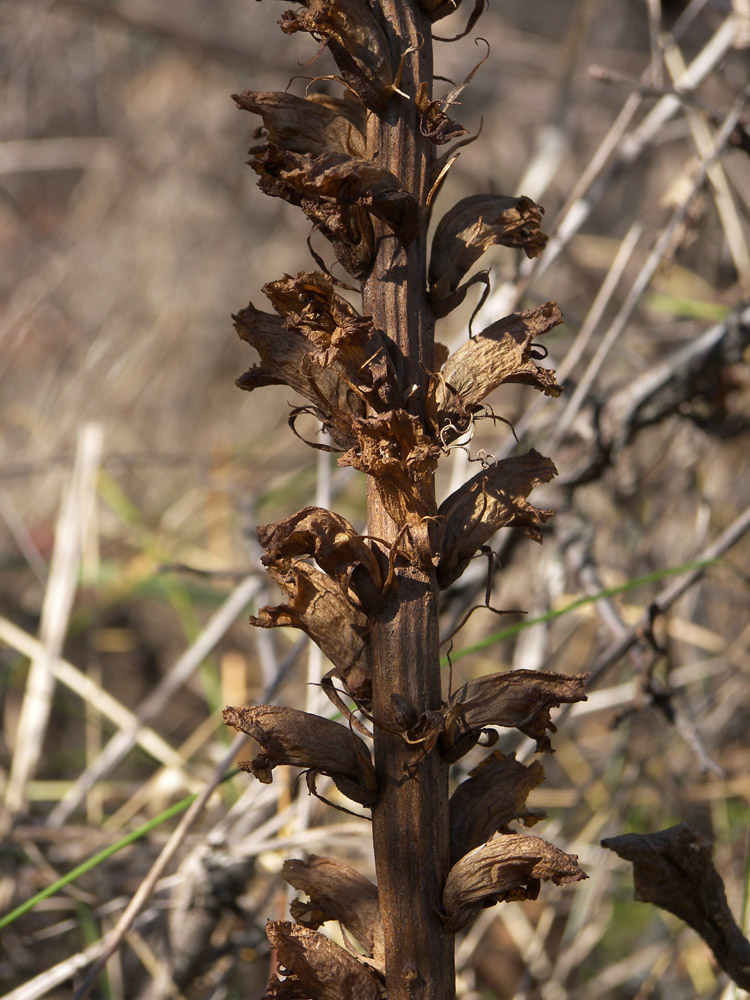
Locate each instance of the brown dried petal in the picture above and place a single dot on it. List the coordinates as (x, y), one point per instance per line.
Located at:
(303, 125)
(339, 193)
(471, 227)
(394, 448)
(518, 699)
(493, 796)
(337, 892)
(316, 968)
(356, 41)
(288, 736)
(500, 354)
(320, 610)
(504, 869)
(674, 870)
(340, 551)
(285, 360)
(494, 498)
(434, 124)
(339, 338)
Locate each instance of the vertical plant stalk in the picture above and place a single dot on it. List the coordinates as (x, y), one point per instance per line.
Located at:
(410, 819)
(362, 166)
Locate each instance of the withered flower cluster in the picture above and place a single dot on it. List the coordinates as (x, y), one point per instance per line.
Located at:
(364, 168)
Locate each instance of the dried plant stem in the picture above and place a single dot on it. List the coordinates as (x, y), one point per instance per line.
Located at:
(410, 820)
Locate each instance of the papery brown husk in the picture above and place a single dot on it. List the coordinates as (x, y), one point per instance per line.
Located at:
(288, 736)
(339, 193)
(318, 607)
(490, 799)
(340, 551)
(468, 229)
(394, 449)
(337, 892)
(304, 124)
(494, 498)
(316, 968)
(518, 699)
(356, 42)
(504, 869)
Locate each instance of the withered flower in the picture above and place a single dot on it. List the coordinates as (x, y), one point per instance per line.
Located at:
(504, 869)
(288, 736)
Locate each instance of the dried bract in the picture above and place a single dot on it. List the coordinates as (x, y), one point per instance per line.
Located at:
(288, 736)
(502, 870)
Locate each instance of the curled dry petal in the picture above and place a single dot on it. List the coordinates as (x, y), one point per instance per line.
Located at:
(434, 124)
(394, 448)
(337, 892)
(339, 193)
(288, 736)
(356, 42)
(502, 353)
(340, 551)
(518, 699)
(674, 869)
(284, 360)
(467, 230)
(321, 347)
(493, 796)
(320, 610)
(504, 869)
(340, 339)
(316, 968)
(494, 498)
(303, 124)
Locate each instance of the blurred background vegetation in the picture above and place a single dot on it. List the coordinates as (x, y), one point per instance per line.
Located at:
(131, 229)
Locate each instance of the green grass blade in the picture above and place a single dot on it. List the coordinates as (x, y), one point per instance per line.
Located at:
(639, 581)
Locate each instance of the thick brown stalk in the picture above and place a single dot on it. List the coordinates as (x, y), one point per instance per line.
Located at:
(410, 820)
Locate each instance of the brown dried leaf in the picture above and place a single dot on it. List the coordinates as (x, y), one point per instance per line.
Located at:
(340, 551)
(339, 193)
(304, 125)
(288, 736)
(502, 870)
(356, 42)
(394, 448)
(467, 230)
(674, 870)
(502, 353)
(493, 796)
(316, 968)
(494, 498)
(337, 892)
(434, 124)
(320, 610)
(518, 699)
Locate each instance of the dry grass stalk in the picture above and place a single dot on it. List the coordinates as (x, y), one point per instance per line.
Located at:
(364, 168)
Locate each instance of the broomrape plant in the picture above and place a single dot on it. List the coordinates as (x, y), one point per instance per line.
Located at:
(365, 167)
